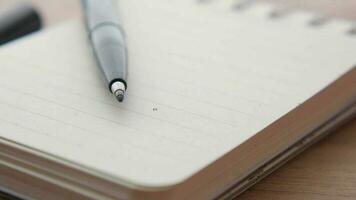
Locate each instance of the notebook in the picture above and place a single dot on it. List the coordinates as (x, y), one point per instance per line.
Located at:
(220, 94)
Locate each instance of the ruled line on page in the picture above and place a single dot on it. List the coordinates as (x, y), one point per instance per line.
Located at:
(96, 85)
(75, 145)
(193, 85)
(185, 83)
(216, 135)
(85, 133)
(128, 129)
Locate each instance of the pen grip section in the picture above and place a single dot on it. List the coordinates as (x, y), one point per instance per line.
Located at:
(110, 51)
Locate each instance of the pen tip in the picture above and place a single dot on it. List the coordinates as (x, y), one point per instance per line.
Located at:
(119, 94)
(118, 88)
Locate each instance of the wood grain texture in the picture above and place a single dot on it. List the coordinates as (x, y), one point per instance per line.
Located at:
(327, 171)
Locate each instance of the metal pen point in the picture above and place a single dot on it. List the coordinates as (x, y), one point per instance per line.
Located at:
(118, 88)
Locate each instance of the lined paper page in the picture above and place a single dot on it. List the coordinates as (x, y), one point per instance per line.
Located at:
(202, 80)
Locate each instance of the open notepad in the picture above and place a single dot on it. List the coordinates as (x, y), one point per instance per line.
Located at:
(209, 88)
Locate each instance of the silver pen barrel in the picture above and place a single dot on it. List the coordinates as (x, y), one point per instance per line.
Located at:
(108, 42)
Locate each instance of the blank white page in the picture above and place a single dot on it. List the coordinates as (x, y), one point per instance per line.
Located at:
(203, 78)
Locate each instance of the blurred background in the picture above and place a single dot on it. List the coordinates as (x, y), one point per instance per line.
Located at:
(54, 11)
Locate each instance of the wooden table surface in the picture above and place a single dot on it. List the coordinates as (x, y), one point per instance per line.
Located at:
(326, 171)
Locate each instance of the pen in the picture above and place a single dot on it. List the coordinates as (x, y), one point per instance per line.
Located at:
(108, 42)
(18, 20)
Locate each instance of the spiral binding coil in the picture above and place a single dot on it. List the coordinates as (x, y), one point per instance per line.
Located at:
(242, 5)
(319, 21)
(352, 31)
(278, 13)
